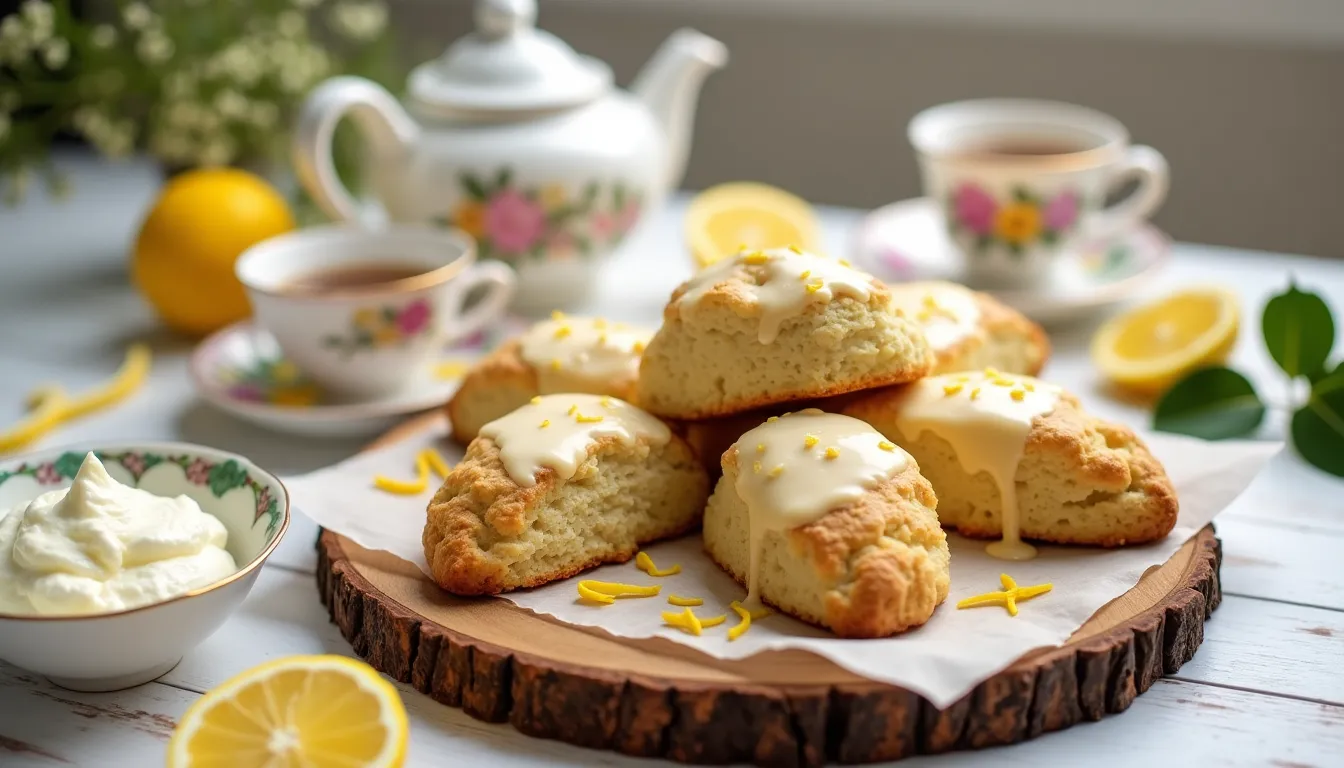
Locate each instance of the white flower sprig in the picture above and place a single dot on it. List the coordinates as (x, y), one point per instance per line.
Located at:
(146, 78)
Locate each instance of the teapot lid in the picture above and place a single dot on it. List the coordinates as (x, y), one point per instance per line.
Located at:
(508, 64)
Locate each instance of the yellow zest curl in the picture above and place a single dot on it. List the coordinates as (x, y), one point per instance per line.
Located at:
(810, 440)
(713, 621)
(588, 419)
(563, 331)
(637, 347)
(684, 602)
(1008, 596)
(450, 369)
(832, 453)
(587, 593)
(557, 315)
(686, 620)
(975, 393)
(436, 462)
(796, 249)
(617, 589)
(886, 446)
(1018, 394)
(645, 563)
(50, 406)
(536, 400)
(951, 389)
(544, 424)
(745, 623)
(406, 487)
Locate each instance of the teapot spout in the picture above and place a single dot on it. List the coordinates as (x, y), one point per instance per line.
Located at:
(670, 84)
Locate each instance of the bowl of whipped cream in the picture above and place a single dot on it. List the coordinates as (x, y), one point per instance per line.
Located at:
(117, 559)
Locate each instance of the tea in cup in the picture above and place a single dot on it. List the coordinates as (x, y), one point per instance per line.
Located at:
(364, 312)
(1021, 182)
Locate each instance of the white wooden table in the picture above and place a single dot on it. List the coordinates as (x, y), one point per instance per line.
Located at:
(1266, 688)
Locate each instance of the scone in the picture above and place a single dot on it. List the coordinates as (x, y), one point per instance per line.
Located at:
(969, 330)
(1016, 458)
(563, 354)
(821, 517)
(775, 326)
(563, 484)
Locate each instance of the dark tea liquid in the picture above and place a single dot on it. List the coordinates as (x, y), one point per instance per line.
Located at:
(346, 276)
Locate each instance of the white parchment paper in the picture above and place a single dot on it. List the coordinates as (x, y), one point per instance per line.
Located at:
(943, 660)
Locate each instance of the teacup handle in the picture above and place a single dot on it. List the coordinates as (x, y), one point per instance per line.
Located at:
(500, 281)
(1150, 167)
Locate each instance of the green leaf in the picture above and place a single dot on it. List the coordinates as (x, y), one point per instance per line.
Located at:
(1318, 426)
(1021, 195)
(1299, 331)
(982, 242)
(590, 191)
(1049, 237)
(503, 178)
(389, 314)
(1212, 403)
(151, 460)
(67, 465)
(225, 477)
(583, 244)
(1015, 249)
(473, 187)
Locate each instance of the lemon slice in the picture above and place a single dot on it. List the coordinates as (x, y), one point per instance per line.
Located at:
(722, 219)
(299, 711)
(1152, 347)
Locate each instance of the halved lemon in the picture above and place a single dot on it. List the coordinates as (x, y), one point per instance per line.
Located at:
(1151, 347)
(722, 219)
(295, 712)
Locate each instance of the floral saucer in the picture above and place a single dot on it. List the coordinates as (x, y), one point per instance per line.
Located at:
(907, 241)
(240, 370)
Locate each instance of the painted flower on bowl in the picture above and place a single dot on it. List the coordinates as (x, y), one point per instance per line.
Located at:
(1018, 223)
(552, 220)
(276, 382)
(1062, 211)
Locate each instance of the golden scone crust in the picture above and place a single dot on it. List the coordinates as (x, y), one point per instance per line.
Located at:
(1081, 480)
(485, 534)
(501, 382)
(1013, 344)
(873, 568)
(714, 364)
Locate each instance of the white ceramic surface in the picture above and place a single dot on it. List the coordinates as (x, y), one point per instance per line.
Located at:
(907, 241)
(241, 371)
(514, 138)
(117, 650)
(1013, 216)
(373, 341)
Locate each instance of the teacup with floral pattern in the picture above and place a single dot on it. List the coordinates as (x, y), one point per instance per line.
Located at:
(1011, 213)
(369, 341)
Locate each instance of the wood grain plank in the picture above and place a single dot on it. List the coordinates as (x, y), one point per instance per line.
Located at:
(1276, 562)
(1289, 650)
(42, 725)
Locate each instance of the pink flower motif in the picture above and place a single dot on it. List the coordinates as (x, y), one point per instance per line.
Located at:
(198, 472)
(513, 223)
(249, 392)
(602, 225)
(627, 216)
(414, 317)
(134, 463)
(1062, 211)
(974, 209)
(46, 474)
(561, 244)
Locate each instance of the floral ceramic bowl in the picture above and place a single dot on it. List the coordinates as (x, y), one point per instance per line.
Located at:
(109, 651)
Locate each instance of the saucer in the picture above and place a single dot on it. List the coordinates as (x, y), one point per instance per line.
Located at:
(906, 241)
(240, 370)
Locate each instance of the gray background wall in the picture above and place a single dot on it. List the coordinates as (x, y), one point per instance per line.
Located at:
(817, 103)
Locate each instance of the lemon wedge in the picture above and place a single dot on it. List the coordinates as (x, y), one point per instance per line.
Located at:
(1151, 347)
(723, 219)
(309, 711)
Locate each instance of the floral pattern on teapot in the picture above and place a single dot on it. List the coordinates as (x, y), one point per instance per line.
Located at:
(551, 221)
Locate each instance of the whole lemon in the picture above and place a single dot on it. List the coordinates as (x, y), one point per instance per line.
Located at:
(184, 254)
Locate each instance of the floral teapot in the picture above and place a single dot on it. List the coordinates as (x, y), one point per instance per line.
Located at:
(514, 138)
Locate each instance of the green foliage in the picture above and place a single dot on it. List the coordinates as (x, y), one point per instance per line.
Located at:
(1219, 403)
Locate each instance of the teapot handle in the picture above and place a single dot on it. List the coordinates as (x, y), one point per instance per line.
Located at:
(381, 121)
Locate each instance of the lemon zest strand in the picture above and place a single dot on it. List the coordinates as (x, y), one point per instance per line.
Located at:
(450, 369)
(436, 462)
(51, 406)
(743, 625)
(684, 602)
(714, 621)
(406, 487)
(1008, 596)
(587, 593)
(685, 620)
(645, 563)
(617, 589)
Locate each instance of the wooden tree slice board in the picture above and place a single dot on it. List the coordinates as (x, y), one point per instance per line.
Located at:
(655, 698)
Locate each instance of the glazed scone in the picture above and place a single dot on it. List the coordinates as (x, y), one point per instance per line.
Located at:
(969, 330)
(563, 484)
(821, 517)
(1069, 477)
(563, 354)
(775, 326)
